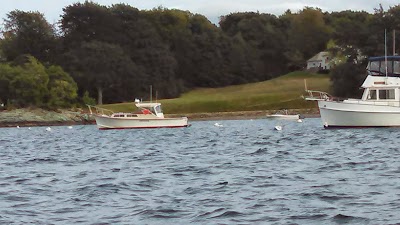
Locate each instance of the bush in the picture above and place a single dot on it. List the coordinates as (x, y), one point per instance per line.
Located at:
(87, 100)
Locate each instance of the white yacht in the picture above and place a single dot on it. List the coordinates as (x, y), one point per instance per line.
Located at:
(379, 105)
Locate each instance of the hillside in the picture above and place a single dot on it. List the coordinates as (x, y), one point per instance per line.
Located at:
(281, 93)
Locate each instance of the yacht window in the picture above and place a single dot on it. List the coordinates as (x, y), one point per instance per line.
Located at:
(382, 69)
(374, 66)
(396, 67)
(372, 95)
(386, 94)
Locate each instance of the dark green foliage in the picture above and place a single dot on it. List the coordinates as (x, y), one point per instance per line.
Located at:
(347, 78)
(29, 83)
(27, 33)
(101, 65)
(116, 52)
(62, 88)
(307, 35)
(26, 82)
(87, 100)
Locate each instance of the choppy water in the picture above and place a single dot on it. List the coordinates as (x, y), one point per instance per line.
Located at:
(242, 173)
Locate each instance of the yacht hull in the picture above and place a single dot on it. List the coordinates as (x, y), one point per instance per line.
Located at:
(353, 115)
(106, 122)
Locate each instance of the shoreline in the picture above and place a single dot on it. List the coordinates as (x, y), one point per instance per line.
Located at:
(39, 117)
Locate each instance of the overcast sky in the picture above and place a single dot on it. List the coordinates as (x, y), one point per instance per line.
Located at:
(212, 9)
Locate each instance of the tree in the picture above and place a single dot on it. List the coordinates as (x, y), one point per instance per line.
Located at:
(27, 33)
(347, 78)
(85, 22)
(102, 66)
(6, 75)
(62, 88)
(264, 42)
(350, 33)
(28, 86)
(307, 35)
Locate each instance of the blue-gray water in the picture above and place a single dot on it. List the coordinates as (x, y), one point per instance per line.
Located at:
(242, 173)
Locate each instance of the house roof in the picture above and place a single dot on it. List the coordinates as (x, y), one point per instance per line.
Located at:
(318, 57)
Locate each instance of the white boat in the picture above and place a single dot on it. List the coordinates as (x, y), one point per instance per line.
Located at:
(379, 105)
(149, 115)
(283, 114)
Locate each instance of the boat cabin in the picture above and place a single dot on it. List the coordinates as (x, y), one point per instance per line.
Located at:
(150, 108)
(379, 88)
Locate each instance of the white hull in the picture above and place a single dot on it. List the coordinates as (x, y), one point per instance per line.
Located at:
(106, 122)
(284, 117)
(342, 114)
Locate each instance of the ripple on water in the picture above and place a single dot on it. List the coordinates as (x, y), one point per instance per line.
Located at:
(241, 173)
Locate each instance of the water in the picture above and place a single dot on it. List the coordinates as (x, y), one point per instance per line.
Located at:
(241, 173)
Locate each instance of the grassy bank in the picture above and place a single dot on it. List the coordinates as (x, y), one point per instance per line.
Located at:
(283, 92)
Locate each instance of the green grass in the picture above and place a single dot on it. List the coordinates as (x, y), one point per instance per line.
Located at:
(281, 93)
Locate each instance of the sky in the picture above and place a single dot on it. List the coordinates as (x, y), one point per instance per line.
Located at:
(52, 9)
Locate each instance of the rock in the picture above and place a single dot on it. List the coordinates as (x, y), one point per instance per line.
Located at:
(41, 117)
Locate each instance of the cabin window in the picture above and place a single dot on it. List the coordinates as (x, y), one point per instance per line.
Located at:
(386, 94)
(396, 67)
(374, 67)
(372, 95)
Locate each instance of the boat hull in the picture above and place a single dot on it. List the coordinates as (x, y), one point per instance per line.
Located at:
(284, 117)
(105, 123)
(351, 115)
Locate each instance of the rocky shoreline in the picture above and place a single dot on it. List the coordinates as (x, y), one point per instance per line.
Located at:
(40, 117)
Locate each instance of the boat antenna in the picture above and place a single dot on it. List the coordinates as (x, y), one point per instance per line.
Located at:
(394, 42)
(386, 67)
(156, 96)
(151, 93)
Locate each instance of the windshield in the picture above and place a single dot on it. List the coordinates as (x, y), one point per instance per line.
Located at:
(379, 67)
(158, 109)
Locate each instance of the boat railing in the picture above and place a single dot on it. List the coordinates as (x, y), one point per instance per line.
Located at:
(99, 111)
(317, 95)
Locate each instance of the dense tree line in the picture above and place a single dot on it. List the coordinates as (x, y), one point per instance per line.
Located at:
(115, 53)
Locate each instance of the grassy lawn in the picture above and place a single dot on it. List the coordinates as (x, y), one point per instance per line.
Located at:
(281, 93)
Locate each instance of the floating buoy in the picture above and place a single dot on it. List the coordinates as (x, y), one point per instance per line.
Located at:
(17, 126)
(48, 129)
(70, 127)
(299, 121)
(218, 125)
(278, 128)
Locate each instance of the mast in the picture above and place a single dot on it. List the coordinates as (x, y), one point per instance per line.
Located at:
(151, 93)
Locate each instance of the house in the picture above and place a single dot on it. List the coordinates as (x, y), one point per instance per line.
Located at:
(320, 61)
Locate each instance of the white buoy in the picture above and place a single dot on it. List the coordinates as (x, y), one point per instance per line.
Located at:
(299, 121)
(70, 127)
(17, 126)
(218, 125)
(48, 129)
(278, 128)
(29, 128)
